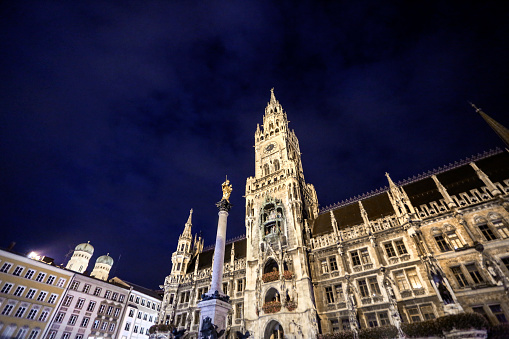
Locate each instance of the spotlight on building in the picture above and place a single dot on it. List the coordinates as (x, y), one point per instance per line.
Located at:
(33, 255)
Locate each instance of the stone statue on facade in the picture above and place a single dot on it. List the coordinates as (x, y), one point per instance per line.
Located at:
(178, 334)
(209, 330)
(241, 335)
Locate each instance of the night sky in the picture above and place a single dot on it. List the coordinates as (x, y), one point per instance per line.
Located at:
(118, 117)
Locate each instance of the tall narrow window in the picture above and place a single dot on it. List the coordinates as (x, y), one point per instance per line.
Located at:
(400, 246)
(459, 276)
(329, 294)
(356, 261)
(325, 267)
(390, 250)
(498, 313)
(373, 285)
(333, 263)
(487, 232)
(339, 292)
(442, 243)
(363, 288)
(401, 281)
(474, 273)
(365, 256)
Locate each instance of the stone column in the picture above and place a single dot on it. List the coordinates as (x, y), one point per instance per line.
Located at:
(217, 269)
(215, 305)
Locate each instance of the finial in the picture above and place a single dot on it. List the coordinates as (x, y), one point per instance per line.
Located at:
(475, 107)
(88, 242)
(272, 96)
(189, 220)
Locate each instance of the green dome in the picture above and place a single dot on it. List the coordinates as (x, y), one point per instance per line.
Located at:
(105, 259)
(85, 247)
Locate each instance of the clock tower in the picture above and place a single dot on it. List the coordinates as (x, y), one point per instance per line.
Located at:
(279, 204)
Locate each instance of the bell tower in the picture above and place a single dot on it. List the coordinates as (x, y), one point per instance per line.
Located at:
(278, 205)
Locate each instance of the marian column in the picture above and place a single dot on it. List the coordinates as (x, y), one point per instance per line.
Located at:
(215, 304)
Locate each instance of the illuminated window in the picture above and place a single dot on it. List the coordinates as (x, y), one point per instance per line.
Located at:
(442, 243)
(325, 267)
(68, 300)
(91, 306)
(487, 232)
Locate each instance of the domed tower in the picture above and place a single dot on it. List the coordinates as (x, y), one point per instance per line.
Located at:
(80, 258)
(102, 267)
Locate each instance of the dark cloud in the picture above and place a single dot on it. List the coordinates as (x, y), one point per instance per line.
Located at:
(118, 117)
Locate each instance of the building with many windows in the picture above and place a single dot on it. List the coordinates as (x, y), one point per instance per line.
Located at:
(41, 300)
(418, 249)
(142, 310)
(30, 292)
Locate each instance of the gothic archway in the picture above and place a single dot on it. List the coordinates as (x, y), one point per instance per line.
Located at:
(274, 330)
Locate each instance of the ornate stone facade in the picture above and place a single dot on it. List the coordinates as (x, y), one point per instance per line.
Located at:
(431, 245)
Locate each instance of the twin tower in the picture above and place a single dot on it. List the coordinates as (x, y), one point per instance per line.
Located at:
(81, 257)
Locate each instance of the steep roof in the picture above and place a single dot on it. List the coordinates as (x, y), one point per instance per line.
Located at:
(456, 178)
(205, 258)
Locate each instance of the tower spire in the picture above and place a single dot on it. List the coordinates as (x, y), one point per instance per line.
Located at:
(501, 131)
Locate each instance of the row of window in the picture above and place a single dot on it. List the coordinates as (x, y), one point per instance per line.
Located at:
(416, 313)
(21, 311)
(141, 315)
(405, 280)
(136, 328)
(30, 273)
(97, 292)
(30, 293)
(185, 296)
(449, 240)
(394, 248)
(65, 335)
(21, 333)
(142, 302)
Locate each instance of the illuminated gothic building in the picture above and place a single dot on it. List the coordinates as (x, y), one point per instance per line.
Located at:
(431, 245)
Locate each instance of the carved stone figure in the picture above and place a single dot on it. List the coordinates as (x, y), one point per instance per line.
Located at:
(241, 335)
(178, 334)
(209, 330)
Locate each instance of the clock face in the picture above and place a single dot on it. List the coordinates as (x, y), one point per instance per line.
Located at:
(269, 148)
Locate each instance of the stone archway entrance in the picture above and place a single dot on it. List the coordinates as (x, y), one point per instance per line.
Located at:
(274, 330)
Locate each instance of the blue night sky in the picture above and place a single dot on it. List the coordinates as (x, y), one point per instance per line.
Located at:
(118, 117)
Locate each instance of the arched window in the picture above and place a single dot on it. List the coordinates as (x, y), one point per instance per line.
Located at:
(500, 224)
(271, 266)
(276, 165)
(485, 229)
(266, 169)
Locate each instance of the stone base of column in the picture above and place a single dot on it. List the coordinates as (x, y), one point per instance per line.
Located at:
(217, 310)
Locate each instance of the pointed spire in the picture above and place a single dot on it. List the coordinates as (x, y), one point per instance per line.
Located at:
(187, 229)
(334, 222)
(364, 214)
(272, 96)
(501, 131)
(391, 183)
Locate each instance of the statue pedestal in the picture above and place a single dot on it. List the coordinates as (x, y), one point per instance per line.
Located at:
(217, 310)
